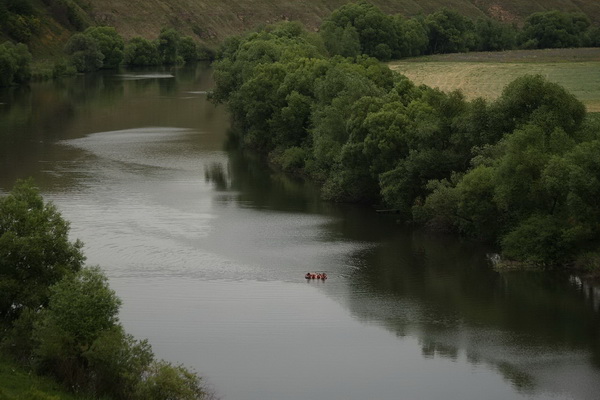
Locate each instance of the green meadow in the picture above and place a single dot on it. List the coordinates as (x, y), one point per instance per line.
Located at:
(18, 384)
(486, 74)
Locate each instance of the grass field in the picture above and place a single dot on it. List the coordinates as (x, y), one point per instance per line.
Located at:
(486, 74)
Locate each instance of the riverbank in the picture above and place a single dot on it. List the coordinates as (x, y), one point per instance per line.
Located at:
(16, 383)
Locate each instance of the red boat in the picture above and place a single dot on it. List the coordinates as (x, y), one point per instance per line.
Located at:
(316, 275)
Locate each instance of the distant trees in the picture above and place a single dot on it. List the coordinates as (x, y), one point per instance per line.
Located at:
(61, 318)
(168, 46)
(362, 28)
(84, 53)
(555, 29)
(494, 171)
(109, 43)
(15, 64)
(103, 48)
(141, 52)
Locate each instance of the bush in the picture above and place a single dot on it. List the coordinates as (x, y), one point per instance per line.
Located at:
(141, 52)
(168, 46)
(292, 159)
(166, 381)
(35, 251)
(84, 53)
(110, 44)
(15, 61)
(540, 239)
(188, 49)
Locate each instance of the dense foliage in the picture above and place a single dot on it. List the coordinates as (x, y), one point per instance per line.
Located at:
(362, 28)
(35, 251)
(492, 171)
(60, 318)
(18, 20)
(15, 63)
(103, 47)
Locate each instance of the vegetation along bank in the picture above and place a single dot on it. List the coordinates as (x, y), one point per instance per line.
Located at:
(59, 317)
(521, 171)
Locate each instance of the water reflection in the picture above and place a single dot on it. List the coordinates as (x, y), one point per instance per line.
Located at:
(531, 327)
(526, 325)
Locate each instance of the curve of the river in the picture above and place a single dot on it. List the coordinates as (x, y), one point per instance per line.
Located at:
(208, 249)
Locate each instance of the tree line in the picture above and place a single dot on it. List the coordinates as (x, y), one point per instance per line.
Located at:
(362, 28)
(101, 47)
(351, 30)
(521, 171)
(59, 317)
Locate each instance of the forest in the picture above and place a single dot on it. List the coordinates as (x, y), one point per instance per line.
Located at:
(521, 172)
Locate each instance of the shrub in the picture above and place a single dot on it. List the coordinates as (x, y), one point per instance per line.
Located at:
(84, 53)
(35, 251)
(15, 63)
(141, 52)
(188, 49)
(110, 44)
(166, 381)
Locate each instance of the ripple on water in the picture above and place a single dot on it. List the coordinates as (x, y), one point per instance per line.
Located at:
(136, 77)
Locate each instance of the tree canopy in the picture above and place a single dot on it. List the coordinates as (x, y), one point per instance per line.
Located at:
(35, 250)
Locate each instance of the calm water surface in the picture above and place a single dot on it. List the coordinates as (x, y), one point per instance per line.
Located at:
(208, 250)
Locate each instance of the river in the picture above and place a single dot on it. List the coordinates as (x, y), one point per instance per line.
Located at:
(208, 249)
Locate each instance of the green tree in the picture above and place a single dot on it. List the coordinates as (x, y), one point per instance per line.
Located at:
(532, 98)
(35, 251)
(84, 53)
(494, 35)
(168, 46)
(188, 49)
(450, 32)
(15, 63)
(555, 29)
(413, 38)
(364, 23)
(141, 52)
(81, 308)
(118, 364)
(110, 44)
(166, 381)
(343, 41)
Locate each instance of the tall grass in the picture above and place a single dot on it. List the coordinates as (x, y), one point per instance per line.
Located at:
(18, 384)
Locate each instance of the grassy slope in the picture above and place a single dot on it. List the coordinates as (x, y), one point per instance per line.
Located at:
(486, 74)
(17, 384)
(212, 20)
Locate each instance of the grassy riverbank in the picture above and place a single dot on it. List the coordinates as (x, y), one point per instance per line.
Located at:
(18, 384)
(487, 74)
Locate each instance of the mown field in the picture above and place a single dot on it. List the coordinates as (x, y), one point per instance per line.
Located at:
(486, 74)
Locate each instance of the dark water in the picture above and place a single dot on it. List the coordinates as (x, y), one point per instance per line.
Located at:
(208, 249)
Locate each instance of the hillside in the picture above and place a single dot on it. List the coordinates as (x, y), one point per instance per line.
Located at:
(214, 20)
(210, 21)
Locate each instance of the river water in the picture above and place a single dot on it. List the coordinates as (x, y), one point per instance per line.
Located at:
(208, 249)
